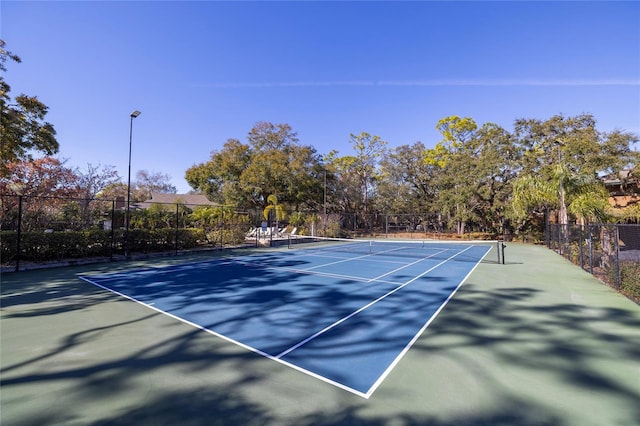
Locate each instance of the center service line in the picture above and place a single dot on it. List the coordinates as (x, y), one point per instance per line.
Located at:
(340, 321)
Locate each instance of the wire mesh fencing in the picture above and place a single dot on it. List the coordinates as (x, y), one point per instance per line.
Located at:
(610, 252)
(38, 230)
(41, 230)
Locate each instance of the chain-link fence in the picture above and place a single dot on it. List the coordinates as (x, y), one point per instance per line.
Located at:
(40, 230)
(374, 225)
(611, 252)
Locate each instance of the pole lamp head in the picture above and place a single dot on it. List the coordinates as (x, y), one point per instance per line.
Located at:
(134, 114)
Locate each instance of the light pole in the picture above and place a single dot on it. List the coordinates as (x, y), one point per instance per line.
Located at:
(324, 206)
(133, 115)
(18, 188)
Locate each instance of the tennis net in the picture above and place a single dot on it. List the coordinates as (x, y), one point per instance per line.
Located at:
(469, 250)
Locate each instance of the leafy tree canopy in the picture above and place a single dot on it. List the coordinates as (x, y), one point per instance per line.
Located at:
(23, 128)
(272, 163)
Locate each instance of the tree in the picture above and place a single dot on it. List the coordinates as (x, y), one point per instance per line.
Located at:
(276, 208)
(273, 163)
(219, 177)
(42, 177)
(457, 154)
(407, 181)
(95, 179)
(265, 136)
(344, 187)
(114, 190)
(23, 128)
(576, 142)
(562, 159)
(34, 180)
(281, 166)
(88, 185)
(368, 151)
(498, 162)
(148, 182)
(582, 195)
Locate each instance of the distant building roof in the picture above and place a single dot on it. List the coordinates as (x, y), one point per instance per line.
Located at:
(623, 176)
(189, 200)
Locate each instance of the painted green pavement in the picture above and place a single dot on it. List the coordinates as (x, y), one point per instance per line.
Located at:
(534, 342)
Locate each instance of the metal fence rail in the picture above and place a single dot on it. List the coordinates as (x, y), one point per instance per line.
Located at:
(46, 229)
(611, 252)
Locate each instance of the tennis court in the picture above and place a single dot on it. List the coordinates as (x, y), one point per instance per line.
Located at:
(343, 311)
(534, 341)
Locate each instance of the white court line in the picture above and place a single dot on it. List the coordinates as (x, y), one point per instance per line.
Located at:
(379, 253)
(343, 319)
(311, 270)
(298, 368)
(365, 258)
(419, 333)
(338, 261)
(407, 265)
(308, 272)
(228, 339)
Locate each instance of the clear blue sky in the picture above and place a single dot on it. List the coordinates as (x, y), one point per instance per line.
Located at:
(204, 72)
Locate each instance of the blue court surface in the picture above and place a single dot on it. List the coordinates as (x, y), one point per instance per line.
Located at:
(345, 318)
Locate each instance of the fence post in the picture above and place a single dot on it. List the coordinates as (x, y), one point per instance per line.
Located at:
(175, 238)
(222, 228)
(560, 230)
(547, 228)
(590, 230)
(386, 225)
(113, 227)
(616, 256)
(19, 236)
(581, 236)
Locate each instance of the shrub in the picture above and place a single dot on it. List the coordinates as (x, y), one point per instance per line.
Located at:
(42, 246)
(55, 246)
(630, 279)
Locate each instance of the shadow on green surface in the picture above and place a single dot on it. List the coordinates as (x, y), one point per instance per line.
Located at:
(563, 339)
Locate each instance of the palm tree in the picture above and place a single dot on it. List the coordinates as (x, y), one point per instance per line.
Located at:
(274, 206)
(582, 196)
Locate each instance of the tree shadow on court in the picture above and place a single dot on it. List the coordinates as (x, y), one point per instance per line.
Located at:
(47, 292)
(180, 375)
(216, 406)
(568, 341)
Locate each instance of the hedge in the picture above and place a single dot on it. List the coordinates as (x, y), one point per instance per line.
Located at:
(43, 246)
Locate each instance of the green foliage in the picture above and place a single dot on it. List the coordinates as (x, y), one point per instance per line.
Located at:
(232, 235)
(220, 225)
(629, 214)
(332, 228)
(244, 175)
(157, 216)
(530, 193)
(58, 246)
(456, 132)
(23, 128)
(41, 246)
(630, 280)
(296, 219)
(582, 195)
(477, 178)
(278, 209)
